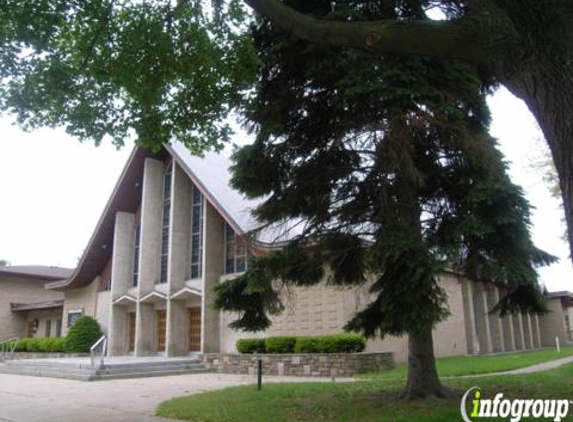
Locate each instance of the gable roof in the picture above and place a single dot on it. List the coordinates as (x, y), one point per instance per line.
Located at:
(126, 196)
(36, 272)
(209, 173)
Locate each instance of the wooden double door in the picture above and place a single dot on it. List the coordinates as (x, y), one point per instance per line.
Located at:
(195, 329)
(161, 330)
(161, 327)
(131, 332)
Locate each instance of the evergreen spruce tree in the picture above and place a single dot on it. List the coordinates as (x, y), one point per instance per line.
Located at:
(384, 172)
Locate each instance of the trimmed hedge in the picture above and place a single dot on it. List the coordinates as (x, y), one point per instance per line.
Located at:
(333, 343)
(83, 335)
(281, 344)
(41, 345)
(251, 345)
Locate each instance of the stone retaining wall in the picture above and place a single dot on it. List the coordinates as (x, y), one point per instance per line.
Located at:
(308, 365)
(26, 355)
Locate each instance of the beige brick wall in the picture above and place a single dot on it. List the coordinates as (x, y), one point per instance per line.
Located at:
(103, 311)
(84, 298)
(20, 291)
(322, 310)
(552, 324)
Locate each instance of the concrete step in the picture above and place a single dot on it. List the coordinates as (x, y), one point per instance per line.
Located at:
(154, 368)
(152, 363)
(147, 374)
(47, 373)
(84, 372)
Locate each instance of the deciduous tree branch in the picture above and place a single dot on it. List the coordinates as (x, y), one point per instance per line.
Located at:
(451, 39)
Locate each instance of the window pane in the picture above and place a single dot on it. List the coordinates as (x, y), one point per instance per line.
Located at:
(241, 247)
(229, 266)
(241, 264)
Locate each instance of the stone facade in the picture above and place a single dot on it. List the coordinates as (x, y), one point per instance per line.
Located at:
(307, 365)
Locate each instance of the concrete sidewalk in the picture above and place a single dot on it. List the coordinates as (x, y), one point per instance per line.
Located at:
(33, 399)
(540, 367)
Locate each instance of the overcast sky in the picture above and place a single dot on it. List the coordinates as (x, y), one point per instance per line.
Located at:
(54, 188)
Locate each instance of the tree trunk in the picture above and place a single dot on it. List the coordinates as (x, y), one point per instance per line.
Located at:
(423, 378)
(548, 92)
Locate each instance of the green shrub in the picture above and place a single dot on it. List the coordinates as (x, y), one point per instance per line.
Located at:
(343, 343)
(34, 345)
(334, 343)
(22, 345)
(40, 345)
(54, 345)
(251, 345)
(82, 335)
(307, 345)
(280, 344)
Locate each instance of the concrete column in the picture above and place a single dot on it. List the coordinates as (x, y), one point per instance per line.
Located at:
(523, 331)
(496, 327)
(149, 254)
(506, 328)
(511, 329)
(530, 330)
(469, 316)
(177, 328)
(145, 330)
(180, 230)
(118, 332)
(212, 271)
(538, 330)
(151, 214)
(518, 333)
(122, 257)
(482, 318)
(526, 331)
(121, 279)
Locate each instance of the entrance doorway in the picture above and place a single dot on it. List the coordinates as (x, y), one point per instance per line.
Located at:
(131, 331)
(161, 330)
(195, 329)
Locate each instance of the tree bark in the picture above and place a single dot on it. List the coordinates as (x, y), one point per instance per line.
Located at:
(423, 380)
(449, 39)
(548, 92)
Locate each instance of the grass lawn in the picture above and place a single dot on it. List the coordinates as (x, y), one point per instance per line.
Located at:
(362, 401)
(484, 364)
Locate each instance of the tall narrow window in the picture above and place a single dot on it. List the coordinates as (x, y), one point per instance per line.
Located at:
(196, 233)
(58, 328)
(166, 222)
(48, 328)
(235, 252)
(137, 241)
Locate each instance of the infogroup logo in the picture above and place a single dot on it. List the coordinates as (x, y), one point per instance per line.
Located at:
(514, 410)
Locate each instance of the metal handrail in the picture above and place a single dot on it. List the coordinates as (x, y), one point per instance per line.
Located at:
(101, 344)
(7, 348)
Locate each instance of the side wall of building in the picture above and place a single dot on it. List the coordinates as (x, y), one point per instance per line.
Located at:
(552, 325)
(83, 299)
(17, 290)
(324, 310)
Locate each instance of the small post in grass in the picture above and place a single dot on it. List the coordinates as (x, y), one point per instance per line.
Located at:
(557, 345)
(259, 374)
